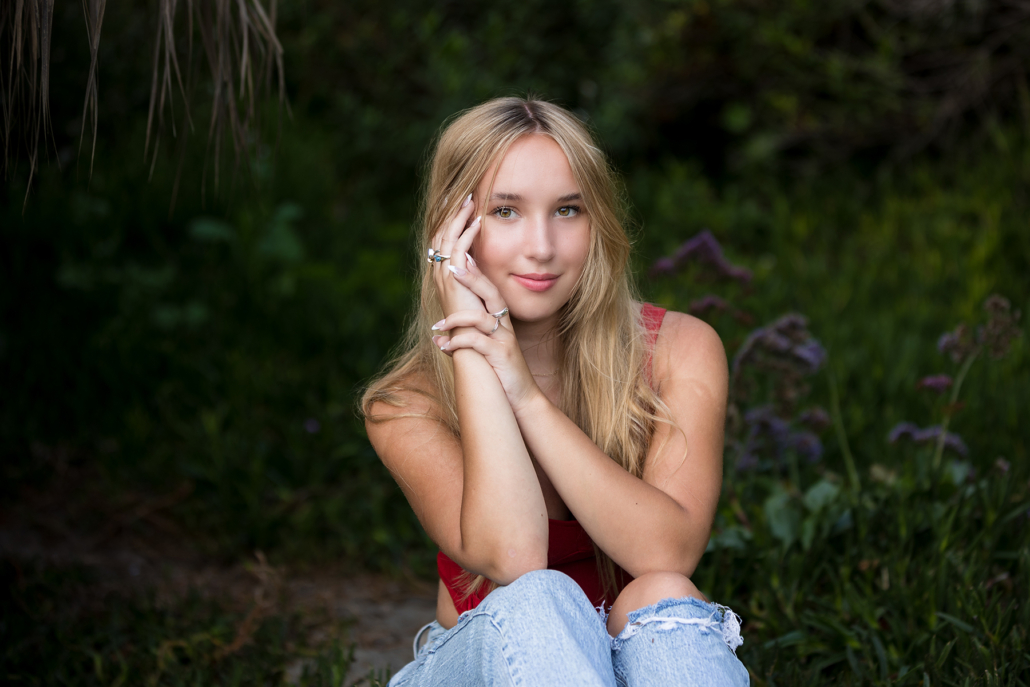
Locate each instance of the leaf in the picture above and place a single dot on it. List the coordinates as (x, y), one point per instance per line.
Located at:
(789, 639)
(211, 230)
(808, 528)
(281, 241)
(732, 537)
(820, 495)
(783, 517)
(965, 627)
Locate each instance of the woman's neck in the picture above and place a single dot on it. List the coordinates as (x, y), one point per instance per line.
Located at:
(539, 344)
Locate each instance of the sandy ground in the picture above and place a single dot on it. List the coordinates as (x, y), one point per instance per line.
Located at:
(132, 546)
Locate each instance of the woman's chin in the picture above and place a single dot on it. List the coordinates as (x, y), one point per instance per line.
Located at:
(533, 313)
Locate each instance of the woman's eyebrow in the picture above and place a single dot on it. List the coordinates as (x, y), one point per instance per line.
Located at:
(516, 197)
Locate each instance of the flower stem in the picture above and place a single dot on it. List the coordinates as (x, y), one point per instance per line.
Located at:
(842, 437)
(938, 452)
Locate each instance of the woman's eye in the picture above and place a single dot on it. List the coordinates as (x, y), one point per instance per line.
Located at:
(504, 213)
(568, 211)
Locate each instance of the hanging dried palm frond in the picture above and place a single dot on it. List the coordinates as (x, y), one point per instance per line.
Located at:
(94, 21)
(239, 42)
(26, 27)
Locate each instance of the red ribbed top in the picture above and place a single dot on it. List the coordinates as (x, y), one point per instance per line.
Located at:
(569, 548)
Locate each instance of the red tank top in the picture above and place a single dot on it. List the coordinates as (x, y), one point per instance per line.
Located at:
(569, 548)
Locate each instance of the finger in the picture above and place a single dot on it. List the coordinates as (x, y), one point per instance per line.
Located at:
(475, 340)
(478, 284)
(479, 319)
(450, 237)
(459, 219)
(440, 342)
(459, 252)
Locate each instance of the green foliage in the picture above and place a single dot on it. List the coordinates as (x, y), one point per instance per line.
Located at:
(222, 341)
(55, 631)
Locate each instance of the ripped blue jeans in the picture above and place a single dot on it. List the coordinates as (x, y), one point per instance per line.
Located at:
(542, 630)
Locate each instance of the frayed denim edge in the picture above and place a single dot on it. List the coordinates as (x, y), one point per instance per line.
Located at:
(727, 624)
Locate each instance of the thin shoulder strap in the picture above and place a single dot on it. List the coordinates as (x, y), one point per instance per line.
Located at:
(651, 317)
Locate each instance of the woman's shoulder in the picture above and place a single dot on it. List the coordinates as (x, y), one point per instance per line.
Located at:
(688, 346)
(410, 395)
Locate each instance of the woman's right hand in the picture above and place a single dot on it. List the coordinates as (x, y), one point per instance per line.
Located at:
(455, 238)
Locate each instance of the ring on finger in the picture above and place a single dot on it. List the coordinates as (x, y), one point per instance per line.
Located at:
(436, 256)
(497, 323)
(499, 315)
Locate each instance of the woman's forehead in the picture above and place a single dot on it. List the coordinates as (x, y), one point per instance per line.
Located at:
(534, 165)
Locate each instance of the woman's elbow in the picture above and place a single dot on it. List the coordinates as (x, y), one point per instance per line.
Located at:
(504, 565)
(508, 571)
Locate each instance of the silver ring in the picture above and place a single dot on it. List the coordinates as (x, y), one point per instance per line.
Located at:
(436, 256)
(500, 314)
(497, 323)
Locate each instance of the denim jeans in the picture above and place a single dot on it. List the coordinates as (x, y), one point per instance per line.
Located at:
(541, 630)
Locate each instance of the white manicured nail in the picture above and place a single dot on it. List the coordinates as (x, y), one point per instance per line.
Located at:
(457, 271)
(467, 201)
(437, 326)
(469, 258)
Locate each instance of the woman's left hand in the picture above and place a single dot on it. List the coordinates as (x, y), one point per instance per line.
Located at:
(490, 336)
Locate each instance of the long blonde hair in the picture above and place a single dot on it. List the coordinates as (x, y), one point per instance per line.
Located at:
(603, 345)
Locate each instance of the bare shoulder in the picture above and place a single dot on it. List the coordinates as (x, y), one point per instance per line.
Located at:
(689, 347)
(412, 411)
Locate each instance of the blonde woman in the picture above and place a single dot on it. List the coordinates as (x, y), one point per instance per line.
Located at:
(559, 441)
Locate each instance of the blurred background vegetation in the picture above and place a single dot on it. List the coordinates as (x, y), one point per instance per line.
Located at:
(868, 161)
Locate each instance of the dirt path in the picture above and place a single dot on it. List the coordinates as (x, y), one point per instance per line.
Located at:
(132, 548)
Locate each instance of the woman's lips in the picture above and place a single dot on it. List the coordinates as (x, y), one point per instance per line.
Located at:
(536, 282)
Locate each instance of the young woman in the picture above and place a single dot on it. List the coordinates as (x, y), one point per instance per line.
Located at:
(560, 442)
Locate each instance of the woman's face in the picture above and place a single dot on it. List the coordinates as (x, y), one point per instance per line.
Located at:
(536, 233)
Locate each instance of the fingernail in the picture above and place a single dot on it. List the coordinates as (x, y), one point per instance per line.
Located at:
(445, 346)
(439, 324)
(458, 272)
(467, 201)
(469, 258)
(475, 221)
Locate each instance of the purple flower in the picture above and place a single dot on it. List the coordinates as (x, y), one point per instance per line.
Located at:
(705, 303)
(766, 433)
(787, 336)
(816, 418)
(702, 248)
(763, 419)
(663, 266)
(807, 445)
(747, 461)
(785, 352)
(956, 344)
(901, 430)
(312, 426)
(927, 435)
(938, 383)
(1001, 328)
(811, 353)
(770, 435)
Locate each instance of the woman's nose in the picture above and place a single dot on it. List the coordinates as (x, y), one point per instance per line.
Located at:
(540, 241)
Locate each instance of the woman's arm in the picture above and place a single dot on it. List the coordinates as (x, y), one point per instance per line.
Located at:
(660, 523)
(479, 497)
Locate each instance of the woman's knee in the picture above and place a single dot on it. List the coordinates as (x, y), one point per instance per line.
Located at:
(540, 593)
(646, 590)
(542, 586)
